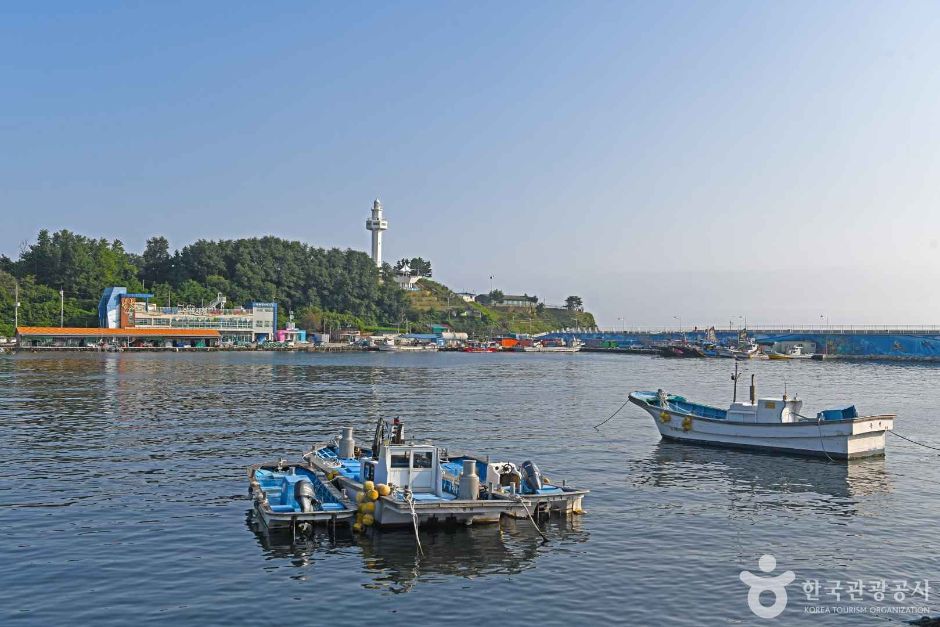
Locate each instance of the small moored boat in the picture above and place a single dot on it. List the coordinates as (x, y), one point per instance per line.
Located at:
(287, 494)
(769, 424)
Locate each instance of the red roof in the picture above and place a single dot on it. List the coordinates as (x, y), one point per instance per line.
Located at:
(96, 332)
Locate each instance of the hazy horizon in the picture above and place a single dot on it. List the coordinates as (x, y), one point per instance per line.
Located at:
(705, 161)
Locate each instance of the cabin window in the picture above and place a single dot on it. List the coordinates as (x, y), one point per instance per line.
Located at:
(399, 461)
(423, 460)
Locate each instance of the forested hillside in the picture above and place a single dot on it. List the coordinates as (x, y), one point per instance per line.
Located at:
(301, 278)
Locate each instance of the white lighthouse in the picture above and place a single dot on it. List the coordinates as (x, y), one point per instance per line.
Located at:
(377, 224)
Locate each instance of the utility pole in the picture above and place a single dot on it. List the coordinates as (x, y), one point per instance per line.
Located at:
(61, 307)
(16, 305)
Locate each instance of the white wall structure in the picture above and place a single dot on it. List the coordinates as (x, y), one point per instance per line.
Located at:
(377, 224)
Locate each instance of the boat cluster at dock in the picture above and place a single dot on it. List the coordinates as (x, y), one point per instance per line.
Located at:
(514, 344)
(399, 482)
(743, 348)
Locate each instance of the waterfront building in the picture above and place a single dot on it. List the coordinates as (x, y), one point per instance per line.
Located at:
(291, 333)
(255, 322)
(513, 300)
(97, 338)
(376, 224)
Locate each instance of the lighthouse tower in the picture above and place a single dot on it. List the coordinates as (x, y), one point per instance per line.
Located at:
(377, 224)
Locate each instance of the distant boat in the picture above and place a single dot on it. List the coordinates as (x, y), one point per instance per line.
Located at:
(480, 347)
(795, 352)
(559, 346)
(390, 345)
(681, 350)
(767, 424)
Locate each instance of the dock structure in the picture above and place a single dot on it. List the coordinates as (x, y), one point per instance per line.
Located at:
(94, 338)
(898, 342)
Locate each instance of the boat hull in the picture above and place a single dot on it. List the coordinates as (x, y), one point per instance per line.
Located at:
(836, 439)
(394, 512)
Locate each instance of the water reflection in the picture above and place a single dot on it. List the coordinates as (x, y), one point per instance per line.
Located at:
(391, 560)
(776, 481)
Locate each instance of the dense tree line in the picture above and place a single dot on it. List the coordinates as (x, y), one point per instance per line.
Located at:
(298, 277)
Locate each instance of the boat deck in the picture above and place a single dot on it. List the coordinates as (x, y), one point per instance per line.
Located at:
(680, 405)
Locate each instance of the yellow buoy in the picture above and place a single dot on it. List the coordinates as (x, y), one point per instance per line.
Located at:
(360, 497)
(368, 485)
(362, 507)
(664, 416)
(687, 423)
(383, 489)
(372, 495)
(359, 516)
(367, 520)
(368, 508)
(357, 527)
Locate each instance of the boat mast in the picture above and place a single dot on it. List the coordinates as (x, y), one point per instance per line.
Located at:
(734, 378)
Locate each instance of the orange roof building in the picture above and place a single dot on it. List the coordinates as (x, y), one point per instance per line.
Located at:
(89, 336)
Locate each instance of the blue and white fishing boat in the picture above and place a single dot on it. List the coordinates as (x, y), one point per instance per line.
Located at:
(286, 495)
(413, 483)
(768, 424)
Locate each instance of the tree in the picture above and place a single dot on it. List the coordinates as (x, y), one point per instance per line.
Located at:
(416, 267)
(420, 267)
(156, 261)
(574, 303)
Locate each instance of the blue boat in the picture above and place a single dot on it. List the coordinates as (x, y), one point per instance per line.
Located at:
(286, 495)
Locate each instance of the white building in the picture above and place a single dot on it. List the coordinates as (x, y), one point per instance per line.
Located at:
(377, 224)
(405, 279)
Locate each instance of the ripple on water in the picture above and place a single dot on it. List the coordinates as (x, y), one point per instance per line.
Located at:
(124, 499)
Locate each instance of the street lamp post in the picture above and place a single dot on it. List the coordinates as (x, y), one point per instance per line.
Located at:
(61, 307)
(16, 305)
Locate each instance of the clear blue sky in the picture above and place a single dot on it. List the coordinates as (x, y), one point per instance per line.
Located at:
(778, 160)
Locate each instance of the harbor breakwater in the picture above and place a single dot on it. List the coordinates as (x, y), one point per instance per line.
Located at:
(898, 343)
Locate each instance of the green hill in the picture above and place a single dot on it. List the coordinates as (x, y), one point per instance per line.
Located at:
(436, 304)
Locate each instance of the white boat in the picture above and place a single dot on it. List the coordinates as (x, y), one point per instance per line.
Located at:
(412, 483)
(573, 346)
(769, 424)
(795, 352)
(389, 344)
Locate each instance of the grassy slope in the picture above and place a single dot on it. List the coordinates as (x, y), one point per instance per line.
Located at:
(436, 303)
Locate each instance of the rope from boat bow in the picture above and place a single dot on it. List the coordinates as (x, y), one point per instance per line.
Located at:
(613, 414)
(912, 441)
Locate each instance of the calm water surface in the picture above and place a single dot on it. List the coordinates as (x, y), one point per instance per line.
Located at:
(124, 500)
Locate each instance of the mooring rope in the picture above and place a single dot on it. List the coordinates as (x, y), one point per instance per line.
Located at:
(613, 414)
(532, 520)
(414, 519)
(912, 441)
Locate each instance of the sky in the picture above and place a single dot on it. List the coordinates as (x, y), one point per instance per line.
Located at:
(705, 162)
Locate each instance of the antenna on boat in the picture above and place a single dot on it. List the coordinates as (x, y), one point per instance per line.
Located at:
(753, 391)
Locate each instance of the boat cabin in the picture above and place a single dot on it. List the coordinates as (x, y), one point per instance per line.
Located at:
(766, 411)
(414, 466)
